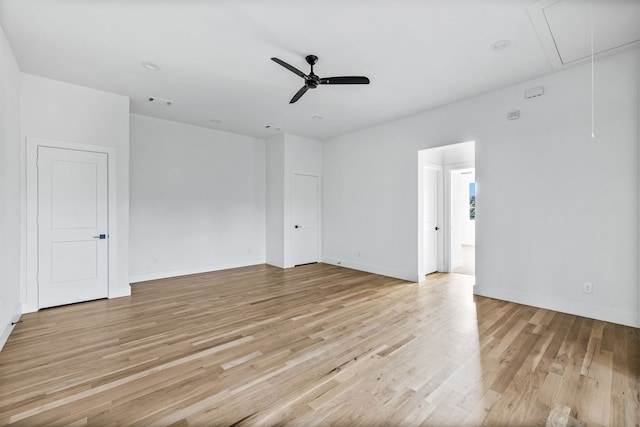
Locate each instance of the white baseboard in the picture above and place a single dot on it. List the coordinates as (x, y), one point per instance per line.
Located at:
(607, 314)
(143, 277)
(9, 328)
(113, 293)
(28, 308)
(275, 262)
(383, 271)
(120, 292)
(457, 263)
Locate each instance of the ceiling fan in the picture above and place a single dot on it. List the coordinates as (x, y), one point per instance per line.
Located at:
(311, 81)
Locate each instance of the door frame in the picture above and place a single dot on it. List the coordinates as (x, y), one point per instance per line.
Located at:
(30, 297)
(448, 208)
(288, 256)
(441, 265)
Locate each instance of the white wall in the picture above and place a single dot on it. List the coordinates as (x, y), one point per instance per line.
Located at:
(301, 155)
(450, 154)
(9, 189)
(581, 193)
(468, 236)
(197, 199)
(457, 220)
(463, 231)
(61, 111)
(456, 154)
(286, 154)
(275, 200)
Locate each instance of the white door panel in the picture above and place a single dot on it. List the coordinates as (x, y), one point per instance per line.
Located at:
(430, 220)
(73, 195)
(72, 214)
(306, 219)
(84, 265)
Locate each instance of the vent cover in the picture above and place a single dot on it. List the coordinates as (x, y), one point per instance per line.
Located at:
(156, 100)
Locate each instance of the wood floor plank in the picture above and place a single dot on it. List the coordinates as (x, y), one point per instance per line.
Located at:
(314, 345)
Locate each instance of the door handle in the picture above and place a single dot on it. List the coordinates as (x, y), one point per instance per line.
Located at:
(437, 228)
(100, 236)
(298, 226)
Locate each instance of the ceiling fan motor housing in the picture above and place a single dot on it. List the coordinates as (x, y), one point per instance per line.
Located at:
(313, 81)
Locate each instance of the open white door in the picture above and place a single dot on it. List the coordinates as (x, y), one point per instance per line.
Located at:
(72, 226)
(305, 247)
(431, 228)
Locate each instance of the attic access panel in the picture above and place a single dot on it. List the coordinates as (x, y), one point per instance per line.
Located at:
(564, 27)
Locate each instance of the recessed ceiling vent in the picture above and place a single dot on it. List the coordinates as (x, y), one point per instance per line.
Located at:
(565, 27)
(156, 100)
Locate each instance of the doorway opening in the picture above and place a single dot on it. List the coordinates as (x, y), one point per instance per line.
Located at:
(446, 209)
(463, 221)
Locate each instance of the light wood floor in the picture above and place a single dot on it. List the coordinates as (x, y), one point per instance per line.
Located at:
(314, 345)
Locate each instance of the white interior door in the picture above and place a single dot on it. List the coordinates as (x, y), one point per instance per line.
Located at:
(72, 226)
(430, 220)
(306, 219)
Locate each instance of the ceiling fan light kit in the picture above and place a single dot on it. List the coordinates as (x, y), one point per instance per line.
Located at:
(312, 81)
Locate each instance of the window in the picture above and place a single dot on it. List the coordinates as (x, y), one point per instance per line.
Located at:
(472, 201)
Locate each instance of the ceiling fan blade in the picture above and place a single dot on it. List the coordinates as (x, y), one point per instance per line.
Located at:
(290, 68)
(299, 94)
(344, 80)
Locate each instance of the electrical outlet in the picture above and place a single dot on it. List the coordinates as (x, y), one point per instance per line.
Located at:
(357, 253)
(588, 288)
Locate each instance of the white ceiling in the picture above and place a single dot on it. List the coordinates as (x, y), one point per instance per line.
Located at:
(567, 28)
(215, 55)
